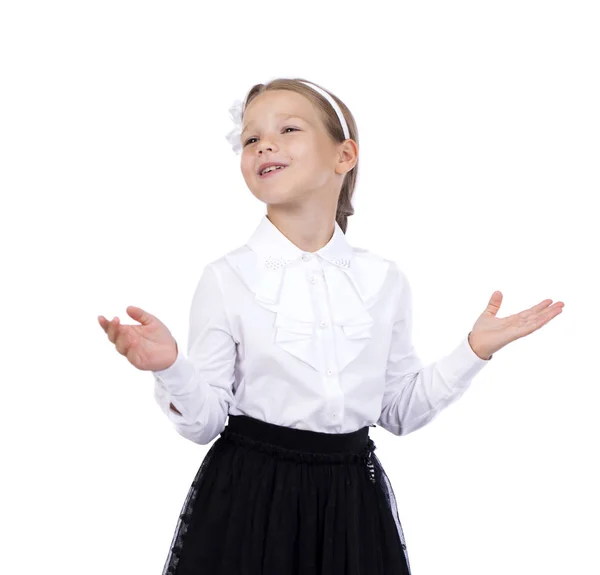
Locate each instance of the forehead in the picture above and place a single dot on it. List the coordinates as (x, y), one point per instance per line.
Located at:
(279, 103)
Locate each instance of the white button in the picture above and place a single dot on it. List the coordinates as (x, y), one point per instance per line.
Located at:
(329, 371)
(313, 279)
(305, 257)
(334, 415)
(323, 324)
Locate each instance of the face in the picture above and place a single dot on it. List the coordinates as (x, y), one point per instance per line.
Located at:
(283, 126)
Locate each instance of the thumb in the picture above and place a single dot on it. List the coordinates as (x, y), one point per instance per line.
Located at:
(138, 314)
(494, 304)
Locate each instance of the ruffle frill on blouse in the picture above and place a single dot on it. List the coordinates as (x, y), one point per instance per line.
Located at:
(286, 290)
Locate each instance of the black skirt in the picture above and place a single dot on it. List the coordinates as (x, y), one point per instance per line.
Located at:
(272, 500)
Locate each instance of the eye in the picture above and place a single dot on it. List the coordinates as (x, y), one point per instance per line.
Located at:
(289, 128)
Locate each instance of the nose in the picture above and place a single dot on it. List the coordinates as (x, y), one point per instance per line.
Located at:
(266, 144)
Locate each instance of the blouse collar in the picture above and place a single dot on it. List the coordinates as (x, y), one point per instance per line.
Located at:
(269, 260)
(275, 250)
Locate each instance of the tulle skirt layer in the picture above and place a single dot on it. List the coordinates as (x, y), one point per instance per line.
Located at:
(272, 500)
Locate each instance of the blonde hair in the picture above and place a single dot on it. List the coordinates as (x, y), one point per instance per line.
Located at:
(333, 127)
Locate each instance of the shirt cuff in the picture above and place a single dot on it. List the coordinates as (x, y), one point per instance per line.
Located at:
(178, 378)
(463, 364)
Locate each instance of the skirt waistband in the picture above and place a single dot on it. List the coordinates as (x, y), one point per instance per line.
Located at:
(299, 444)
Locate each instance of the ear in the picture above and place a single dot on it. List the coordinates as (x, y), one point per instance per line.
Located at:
(347, 156)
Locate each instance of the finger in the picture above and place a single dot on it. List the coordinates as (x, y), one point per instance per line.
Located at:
(547, 317)
(540, 306)
(534, 312)
(549, 312)
(103, 322)
(493, 305)
(553, 310)
(113, 328)
(138, 314)
(122, 342)
(536, 322)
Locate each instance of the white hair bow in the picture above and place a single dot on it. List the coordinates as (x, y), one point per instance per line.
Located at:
(235, 136)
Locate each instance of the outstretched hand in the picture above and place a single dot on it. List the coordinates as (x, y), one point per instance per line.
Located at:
(148, 346)
(491, 333)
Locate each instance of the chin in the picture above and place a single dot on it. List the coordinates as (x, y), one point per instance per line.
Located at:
(273, 199)
(273, 195)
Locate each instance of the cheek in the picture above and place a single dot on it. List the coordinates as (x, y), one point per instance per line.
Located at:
(313, 163)
(246, 168)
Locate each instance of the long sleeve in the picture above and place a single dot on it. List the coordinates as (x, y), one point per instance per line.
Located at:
(200, 385)
(415, 393)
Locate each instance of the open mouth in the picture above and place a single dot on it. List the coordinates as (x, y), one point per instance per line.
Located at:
(271, 171)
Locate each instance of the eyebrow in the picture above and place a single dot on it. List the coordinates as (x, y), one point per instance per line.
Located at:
(285, 117)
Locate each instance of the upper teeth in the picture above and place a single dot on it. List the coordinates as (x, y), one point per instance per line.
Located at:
(271, 168)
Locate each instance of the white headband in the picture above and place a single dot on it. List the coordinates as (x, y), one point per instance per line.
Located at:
(334, 105)
(236, 110)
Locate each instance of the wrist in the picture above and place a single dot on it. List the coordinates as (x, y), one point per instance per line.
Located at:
(481, 354)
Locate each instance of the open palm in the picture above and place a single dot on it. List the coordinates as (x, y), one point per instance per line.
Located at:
(491, 333)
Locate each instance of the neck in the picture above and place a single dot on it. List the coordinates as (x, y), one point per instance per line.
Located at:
(308, 231)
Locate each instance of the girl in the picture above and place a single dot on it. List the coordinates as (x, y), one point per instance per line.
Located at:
(304, 341)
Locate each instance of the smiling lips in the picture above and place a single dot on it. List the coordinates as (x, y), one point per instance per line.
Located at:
(272, 170)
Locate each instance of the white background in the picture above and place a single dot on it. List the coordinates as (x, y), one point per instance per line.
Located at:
(479, 171)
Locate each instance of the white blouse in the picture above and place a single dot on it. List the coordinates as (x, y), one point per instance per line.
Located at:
(318, 341)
